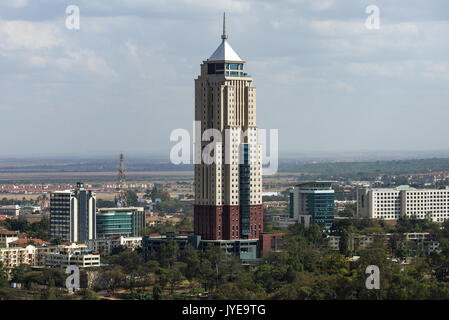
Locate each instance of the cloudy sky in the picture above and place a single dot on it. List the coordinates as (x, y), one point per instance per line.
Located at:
(125, 79)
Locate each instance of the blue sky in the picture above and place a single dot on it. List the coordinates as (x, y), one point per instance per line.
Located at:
(124, 81)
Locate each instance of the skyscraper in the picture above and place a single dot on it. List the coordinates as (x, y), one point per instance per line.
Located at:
(72, 214)
(228, 190)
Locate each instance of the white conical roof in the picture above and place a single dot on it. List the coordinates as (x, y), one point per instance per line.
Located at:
(224, 52)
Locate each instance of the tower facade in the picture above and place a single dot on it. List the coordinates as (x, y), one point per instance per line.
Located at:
(72, 214)
(228, 189)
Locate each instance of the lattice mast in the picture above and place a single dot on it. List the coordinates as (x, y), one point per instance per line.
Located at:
(122, 182)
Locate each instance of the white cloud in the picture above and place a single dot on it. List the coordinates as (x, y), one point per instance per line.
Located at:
(337, 27)
(86, 60)
(369, 69)
(236, 6)
(16, 34)
(18, 3)
(132, 52)
(318, 5)
(436, 70)
(99, 66)
(37, 61)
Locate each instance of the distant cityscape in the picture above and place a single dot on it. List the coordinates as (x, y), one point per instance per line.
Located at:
(220, 229)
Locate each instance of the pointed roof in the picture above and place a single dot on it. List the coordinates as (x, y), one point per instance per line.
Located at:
(224, 50)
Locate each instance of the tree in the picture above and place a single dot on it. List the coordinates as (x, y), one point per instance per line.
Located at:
(157, 292)
(113, 278)
(131, 264)
(174, 276)
(52, 293)
(20, 272)
(168, 253)
(132, 198)
(57, 240)
(3, 276)
(90, 295)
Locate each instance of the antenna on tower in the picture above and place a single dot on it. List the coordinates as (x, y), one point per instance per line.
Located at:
(224, 36)
(122, 182)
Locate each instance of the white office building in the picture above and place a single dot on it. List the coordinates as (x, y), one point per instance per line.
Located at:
(403, 201)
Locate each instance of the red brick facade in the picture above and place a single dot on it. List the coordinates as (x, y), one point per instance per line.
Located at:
(270, 242)
(223, 222)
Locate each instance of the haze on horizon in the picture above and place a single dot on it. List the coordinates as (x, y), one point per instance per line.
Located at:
(124, 81)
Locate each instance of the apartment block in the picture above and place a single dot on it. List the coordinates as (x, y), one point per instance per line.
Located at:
(107, 245)
(13, 257)
(80, 258)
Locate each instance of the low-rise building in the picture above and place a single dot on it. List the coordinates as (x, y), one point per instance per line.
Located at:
(415, 240)
(424, 241)
(80, 258)
(6, 237)
(13, 257)
(10, 210)
(270, 242)
(357, 242)
(24, 242)
(247, 250)
(153, 242)
(106, 246)
(334, 242)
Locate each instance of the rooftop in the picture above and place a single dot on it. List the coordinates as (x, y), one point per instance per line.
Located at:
(7, 232)
(224, 52)
(24, 242)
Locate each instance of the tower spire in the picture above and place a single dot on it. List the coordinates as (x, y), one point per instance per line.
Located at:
(224, 36)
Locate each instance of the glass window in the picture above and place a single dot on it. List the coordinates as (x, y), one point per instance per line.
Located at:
(234, 66)
(211, 68)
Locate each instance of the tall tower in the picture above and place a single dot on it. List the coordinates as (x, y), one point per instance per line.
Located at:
(228, 191)
(122, 182)
(72, 214)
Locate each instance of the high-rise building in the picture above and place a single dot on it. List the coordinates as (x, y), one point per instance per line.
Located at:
(228, 190)
(72, 214)
(128, 222)
(313, 202)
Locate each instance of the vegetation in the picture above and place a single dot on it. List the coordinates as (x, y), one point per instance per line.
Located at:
(185, 225)
(157, 193)
(368, 169)
(40, 229)
(105, 203)
(304, 269)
